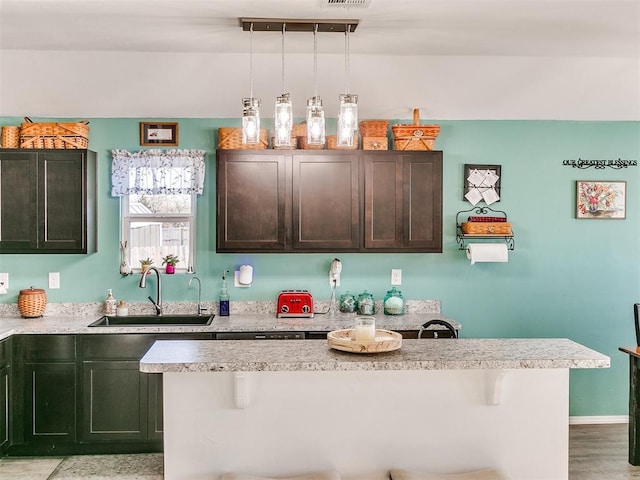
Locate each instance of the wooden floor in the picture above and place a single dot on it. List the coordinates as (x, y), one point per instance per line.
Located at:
(600, 452)
(596, 452)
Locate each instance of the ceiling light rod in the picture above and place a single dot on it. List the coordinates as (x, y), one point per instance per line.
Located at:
(298, 25)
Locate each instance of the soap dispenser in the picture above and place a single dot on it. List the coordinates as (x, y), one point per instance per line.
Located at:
(110, 304)
(223, 310)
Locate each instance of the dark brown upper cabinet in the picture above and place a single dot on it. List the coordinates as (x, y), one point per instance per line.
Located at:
(47, 201)
(329, 201)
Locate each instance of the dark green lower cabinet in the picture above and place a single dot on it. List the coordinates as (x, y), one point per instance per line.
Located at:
(5, 394)
(155, 426)
(51, 403)
(114, 401)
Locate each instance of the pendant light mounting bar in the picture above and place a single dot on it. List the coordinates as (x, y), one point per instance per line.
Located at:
(298, 25)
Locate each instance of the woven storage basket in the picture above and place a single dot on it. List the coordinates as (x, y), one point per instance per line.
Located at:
(332, 143)
(10, 137)
(486, 228)
(374, 128)
(32, 302)
(54, 135)
(302, 143)
(231, 139)
(416, 136)
(375, 143)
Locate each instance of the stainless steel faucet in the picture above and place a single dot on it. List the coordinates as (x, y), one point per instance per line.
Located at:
(201, 309)
(143, 283)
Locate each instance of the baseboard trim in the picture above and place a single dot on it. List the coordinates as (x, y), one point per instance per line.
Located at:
(593, 420)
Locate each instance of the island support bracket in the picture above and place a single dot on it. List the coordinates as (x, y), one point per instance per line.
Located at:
(493, 386)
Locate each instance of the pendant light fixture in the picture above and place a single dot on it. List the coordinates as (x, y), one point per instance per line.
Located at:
(348, 115)
(315, 112)
(283, 118)
(251, 105)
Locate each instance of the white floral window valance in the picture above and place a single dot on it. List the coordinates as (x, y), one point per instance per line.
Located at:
(152, 172)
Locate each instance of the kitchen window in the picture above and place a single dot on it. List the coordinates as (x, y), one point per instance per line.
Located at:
(158, 191)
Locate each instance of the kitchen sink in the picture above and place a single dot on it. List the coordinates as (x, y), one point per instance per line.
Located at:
(151, 320)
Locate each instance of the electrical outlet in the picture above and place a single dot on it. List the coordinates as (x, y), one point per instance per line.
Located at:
(4, 283)
(396, 276)
(54, 280)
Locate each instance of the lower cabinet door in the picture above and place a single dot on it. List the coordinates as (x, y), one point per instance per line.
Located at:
(5, 395)
(51, 404)
(114, 401)
(156, 426)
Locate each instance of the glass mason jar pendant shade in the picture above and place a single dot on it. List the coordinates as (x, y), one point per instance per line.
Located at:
(251, 120)
(347, 119)
(315, 122)
(283, 121)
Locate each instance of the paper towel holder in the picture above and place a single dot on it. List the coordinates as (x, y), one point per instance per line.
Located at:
(463, 238)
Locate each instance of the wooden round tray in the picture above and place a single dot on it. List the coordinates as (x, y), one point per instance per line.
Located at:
(385, 341)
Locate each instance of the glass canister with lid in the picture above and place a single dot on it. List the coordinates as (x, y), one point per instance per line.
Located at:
(347, 303)
(393, 302)
(366, 304)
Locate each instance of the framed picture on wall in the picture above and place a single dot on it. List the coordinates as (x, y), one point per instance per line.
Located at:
(601, 199)
(481, 183)
(159, 133)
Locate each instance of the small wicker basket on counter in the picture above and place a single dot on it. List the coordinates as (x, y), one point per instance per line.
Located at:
(32, 302)
(415, 136)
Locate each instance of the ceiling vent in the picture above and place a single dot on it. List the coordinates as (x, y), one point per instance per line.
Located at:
(346, 3)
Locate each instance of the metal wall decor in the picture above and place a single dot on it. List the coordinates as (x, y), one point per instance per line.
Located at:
(600, 164)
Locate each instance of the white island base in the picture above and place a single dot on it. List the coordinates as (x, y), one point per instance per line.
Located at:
(292, 422)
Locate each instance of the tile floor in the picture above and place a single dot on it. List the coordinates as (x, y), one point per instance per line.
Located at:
(82, 467)
(596, 452)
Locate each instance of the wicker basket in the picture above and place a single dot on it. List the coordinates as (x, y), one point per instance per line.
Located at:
(302, 143)
(332, 143)
(416, 136)
(374, 128)
(375, 143)
(54, 135)
(10, 137)
(231, 139)
(32, 302)
(486, 228)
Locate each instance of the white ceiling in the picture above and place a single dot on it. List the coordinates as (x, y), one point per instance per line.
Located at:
(555, 28)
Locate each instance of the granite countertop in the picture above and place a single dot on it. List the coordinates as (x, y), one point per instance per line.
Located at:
(441, 354)
(249, 317)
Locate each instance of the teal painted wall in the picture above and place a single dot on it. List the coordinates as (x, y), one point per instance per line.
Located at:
(566, 278)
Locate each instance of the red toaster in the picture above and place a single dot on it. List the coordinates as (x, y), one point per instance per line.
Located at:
(295, 303)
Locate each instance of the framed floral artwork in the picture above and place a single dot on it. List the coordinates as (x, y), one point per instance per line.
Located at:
(159, 133)
(601, 199)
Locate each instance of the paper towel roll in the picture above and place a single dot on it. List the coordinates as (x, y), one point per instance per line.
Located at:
(487, 252)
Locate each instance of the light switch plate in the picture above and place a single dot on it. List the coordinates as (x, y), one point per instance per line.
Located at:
(54, 280)
(4, 283)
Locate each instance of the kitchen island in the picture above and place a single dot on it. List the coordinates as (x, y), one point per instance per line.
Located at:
(287, 407)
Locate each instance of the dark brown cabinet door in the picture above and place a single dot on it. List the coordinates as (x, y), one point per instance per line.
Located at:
(250, 201)
(62, 201)
(325, 202)
(47, 201)
(18, 201)
(403, 201)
